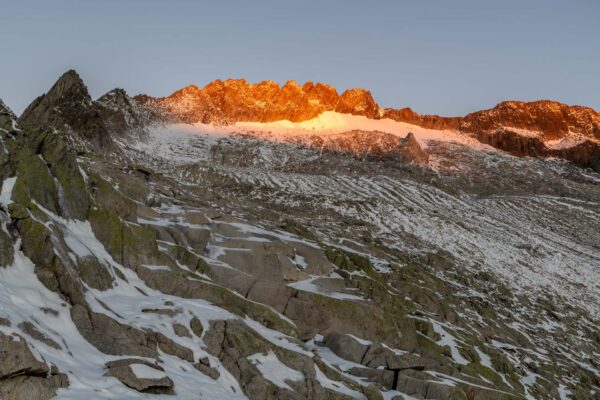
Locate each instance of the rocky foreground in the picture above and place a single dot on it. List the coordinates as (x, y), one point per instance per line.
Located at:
(141, 260)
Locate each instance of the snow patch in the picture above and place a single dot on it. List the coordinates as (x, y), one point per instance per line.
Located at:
(274, 370)
(142, 371)
(449, 340)
(308, 285)
(7, 188)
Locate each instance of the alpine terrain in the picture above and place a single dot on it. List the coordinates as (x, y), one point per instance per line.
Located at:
(258, 241)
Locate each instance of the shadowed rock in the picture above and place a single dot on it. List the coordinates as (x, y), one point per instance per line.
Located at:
(69, 93)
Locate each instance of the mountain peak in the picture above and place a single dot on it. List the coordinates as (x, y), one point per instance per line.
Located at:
(358, 102)
(118, 95)
(68, 92)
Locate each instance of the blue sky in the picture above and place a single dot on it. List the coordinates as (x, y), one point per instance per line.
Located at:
(444, 57)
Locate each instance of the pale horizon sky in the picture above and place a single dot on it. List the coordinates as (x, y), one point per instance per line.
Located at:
(437, 57)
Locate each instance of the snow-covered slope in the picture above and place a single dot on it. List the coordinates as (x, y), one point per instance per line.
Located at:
(500, 231)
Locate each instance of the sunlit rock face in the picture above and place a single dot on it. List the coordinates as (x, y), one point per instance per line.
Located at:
(237, 100)
(549, 119)
(358, 102)
(539, 129)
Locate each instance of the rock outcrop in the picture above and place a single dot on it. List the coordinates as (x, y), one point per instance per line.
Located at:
(550, 119)
(411, 152)
(374, 145)
(68, 101)
(530, 129)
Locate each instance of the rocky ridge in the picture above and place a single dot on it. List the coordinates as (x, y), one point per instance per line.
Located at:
(523, 129)
(237, 100)
(264, 270)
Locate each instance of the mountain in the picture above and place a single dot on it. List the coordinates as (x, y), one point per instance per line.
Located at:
(199, 247)
(69, 106)
(536, 129)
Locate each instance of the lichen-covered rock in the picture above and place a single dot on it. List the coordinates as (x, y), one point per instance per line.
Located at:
(93, 272)
(73, 195)
(35, 183)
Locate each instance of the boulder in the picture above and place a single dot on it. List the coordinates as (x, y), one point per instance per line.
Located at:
(141, 376)
(181, 330)
(383, 378)
(346, 346)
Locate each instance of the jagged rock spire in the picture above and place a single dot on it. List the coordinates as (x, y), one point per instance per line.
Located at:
(68, 106)
(67, 96)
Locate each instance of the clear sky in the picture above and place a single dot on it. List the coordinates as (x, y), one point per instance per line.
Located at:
(444, 57)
